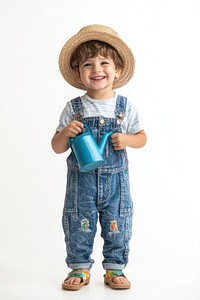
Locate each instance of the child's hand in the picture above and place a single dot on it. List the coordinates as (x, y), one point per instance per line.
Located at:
(119, 141)
(73, 128)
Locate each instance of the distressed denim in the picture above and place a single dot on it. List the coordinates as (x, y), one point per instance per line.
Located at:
(102, 194)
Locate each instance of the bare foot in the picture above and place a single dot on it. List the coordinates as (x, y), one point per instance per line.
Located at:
(119, 279)
(74, 280)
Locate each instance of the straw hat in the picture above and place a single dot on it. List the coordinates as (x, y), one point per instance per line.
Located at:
(100, 33)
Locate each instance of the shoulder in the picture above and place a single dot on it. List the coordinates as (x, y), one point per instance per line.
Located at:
(130, 107)
(71, 103)
(67, 108)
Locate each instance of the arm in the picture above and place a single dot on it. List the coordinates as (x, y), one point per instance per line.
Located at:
(59, 141)
(121, 141)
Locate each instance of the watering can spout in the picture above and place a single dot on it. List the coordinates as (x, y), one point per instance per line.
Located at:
(103, 141)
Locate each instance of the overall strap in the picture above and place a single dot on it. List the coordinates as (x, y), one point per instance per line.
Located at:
(120, 109)
(77, 109)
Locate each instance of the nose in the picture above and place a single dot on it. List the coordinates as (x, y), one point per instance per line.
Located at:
(96, 68)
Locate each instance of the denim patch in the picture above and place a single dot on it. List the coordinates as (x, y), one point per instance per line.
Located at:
(85, 224)
(113, 227)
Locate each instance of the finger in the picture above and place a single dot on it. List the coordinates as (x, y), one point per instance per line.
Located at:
(114, 140)
(118, 148)
(74, 131)
(115, 146)
(78, 129)
(79, 124)
(114, 135)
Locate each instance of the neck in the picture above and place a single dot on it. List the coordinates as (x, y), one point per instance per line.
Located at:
(101, 95)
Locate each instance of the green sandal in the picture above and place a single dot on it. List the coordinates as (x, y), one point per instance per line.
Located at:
(85, 279)
(109, 276)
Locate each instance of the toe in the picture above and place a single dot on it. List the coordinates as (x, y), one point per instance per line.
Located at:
(73, 281)
(120, 280)
(76, 280)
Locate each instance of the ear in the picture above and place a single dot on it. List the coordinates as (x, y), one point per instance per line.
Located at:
(77, 75)
(117, 73)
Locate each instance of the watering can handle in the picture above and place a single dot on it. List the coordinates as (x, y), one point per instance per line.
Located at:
(88, 128)
(70, 140)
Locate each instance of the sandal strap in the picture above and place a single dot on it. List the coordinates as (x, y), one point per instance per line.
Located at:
(78, 273)
(114, 273)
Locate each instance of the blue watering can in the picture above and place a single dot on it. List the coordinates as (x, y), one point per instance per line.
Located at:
(88, 154)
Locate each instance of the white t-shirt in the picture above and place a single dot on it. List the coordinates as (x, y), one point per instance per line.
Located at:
(102, 108)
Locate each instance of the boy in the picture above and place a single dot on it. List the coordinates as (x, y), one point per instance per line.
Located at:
(98, 61)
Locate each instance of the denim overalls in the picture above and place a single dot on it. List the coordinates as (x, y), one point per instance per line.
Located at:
(104, 192)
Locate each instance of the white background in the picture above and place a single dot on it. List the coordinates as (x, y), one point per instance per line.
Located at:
(165, 249)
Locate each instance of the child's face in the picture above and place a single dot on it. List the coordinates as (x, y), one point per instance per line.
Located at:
(98, 73)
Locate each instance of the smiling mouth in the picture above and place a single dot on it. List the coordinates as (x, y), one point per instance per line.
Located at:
(98, 77)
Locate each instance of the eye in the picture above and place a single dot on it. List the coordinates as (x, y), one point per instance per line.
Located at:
(86, 65)
(105, 62)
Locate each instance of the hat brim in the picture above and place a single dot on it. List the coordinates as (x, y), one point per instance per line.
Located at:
(75, 41)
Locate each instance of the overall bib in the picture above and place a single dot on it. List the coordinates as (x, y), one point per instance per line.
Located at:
(104, 193)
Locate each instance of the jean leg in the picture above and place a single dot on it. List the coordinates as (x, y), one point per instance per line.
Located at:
(79, 238)
(116, 219)
(80, 219)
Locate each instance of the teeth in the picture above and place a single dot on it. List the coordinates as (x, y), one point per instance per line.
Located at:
(99, 77)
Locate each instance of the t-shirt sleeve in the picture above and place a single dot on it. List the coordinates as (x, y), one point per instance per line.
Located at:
(132, 118)
(65, 117)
